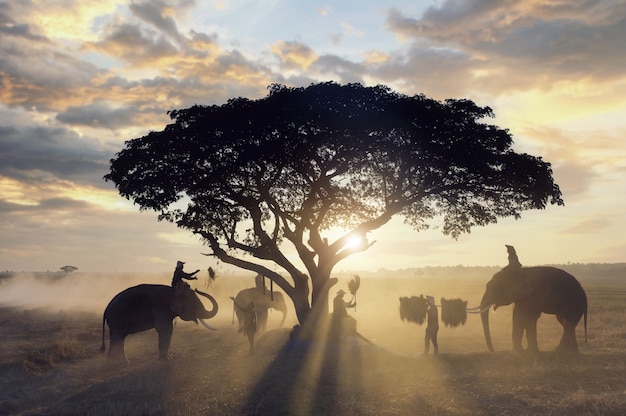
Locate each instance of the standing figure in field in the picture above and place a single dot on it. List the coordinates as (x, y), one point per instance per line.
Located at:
(262, 303)
(249, 326)
(432, 326)
(180, 274)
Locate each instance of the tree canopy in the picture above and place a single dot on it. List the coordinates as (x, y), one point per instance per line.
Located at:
(252, 177)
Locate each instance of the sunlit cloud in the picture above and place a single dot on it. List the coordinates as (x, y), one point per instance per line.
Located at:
(324, 11)
(294, 55)
(80, 78)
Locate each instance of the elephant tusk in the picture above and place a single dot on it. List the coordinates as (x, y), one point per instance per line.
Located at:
(474, 310)
(207, 326)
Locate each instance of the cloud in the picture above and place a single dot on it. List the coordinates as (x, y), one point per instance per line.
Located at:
(134, 44)
(559, 40)
(10, 27)
(294, 55)
(34, 153)
(98, 115)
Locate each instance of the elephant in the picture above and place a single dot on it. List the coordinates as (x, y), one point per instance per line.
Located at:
(535, 290)
(262, 302)
(147, 306)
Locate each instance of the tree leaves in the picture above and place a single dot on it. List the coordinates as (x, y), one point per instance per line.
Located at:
(301, 160)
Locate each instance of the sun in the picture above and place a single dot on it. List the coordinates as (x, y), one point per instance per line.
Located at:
(354, 242)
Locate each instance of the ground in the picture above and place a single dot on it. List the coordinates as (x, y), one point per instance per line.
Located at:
(50, 365)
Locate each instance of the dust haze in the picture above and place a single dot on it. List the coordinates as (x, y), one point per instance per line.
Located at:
(377, 311)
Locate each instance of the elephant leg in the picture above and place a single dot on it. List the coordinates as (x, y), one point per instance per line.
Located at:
(261, 320)
(250, 335)
(531, 332)
(116, 346)
(518, 329)
(165, 331)
(568, 340)
(239, 319)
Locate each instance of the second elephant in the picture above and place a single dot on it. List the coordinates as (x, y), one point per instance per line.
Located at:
(262, 302)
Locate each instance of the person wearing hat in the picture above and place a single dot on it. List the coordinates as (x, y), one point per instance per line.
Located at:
(432, 326)
(180, 274)
(340, 306)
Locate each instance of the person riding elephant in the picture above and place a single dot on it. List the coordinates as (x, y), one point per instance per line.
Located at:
(147, 306)
(533, 291)
(180, 274)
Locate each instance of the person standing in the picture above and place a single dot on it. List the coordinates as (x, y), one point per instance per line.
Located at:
(180, 274)
(432, 326)
(249, 322)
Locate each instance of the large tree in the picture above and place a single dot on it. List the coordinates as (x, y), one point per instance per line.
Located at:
(254, 178)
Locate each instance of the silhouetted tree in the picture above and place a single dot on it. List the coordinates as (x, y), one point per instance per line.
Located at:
(257, 177)
(69, 269)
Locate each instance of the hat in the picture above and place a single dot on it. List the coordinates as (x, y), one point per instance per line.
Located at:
(180, 263)
(341, 292)
(431, 300)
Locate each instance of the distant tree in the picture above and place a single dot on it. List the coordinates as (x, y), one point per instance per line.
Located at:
(254, 178)
(69, 269)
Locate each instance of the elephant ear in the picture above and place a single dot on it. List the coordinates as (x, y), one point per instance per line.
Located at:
(183, 304)
(523, 287)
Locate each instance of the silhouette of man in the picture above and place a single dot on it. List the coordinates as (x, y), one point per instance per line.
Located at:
(513, 260)
(432, 326)
(249, 322)
(180, 274)
(340, 306)
(343, 324)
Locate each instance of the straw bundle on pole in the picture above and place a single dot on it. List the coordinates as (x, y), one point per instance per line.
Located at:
(413, 309)
(353, 286)
(453, 312)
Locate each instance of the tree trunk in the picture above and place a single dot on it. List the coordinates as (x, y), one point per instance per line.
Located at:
(312, 319)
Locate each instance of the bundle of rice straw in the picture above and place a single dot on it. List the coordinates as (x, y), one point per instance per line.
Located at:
(353, 286)
(453, 312)
(413, 309)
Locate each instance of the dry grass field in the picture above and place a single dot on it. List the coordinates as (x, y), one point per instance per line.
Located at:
(50, 364)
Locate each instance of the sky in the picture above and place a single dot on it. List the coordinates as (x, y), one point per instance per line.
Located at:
(79, 78)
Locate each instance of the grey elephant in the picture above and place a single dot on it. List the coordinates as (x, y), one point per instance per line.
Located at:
(262, 302)
(533, 291)
(147, 306)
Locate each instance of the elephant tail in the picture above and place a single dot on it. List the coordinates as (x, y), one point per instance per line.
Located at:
(585, 322)
(102, 347)
(233, 323)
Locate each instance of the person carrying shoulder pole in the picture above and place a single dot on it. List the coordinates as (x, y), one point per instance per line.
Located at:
(432, 326)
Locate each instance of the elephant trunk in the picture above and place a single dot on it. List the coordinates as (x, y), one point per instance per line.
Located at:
(484, 316)
(208, 314)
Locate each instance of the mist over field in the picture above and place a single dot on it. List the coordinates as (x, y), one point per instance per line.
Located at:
(51, 330)
(377, 311)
